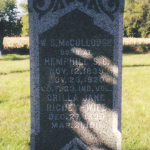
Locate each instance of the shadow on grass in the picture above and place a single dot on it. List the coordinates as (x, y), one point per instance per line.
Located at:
(14, 57)
(16, 71)
(21, 51)
(136, 65)
(19, 71)
(3, 73)
(15, 54)
(3, 101)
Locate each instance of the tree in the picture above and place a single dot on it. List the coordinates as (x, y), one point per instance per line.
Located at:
(9, 23)
(145, 21)
(137, 18)
(25, 20)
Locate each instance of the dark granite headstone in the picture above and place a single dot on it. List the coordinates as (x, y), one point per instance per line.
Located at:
(75, 53)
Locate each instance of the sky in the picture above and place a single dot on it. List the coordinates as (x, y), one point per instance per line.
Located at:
(18, 2)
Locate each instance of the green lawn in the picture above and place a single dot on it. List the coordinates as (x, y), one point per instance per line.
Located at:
(136, 102)
(15, 102)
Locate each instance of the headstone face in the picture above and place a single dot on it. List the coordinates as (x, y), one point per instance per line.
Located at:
(75, 55)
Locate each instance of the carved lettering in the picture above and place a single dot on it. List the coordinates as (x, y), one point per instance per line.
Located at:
(94, 116)
(43, 42)
(76, 125)
(64, 61)
(63, 97)
(54, 125)
(76, 51)
(54, 79)
(95, 97)
(60, 107)
(62, 117)
(58, 71)
(80, 42)
(103, 88)
(90, 71)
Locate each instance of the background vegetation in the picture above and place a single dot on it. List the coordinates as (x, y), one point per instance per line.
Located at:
(25, 21)
(10, 25)
(137, 18)
(9, 22)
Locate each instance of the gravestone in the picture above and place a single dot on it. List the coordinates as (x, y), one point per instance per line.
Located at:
(76, 61)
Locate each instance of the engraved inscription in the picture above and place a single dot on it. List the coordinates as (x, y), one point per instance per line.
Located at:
(70, 75)
(76, 43)
(77, 70)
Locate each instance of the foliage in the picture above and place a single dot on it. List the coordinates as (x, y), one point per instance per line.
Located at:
(142, 48)
(25, 24)
(25, 20)
(10, 24)
(137, 18)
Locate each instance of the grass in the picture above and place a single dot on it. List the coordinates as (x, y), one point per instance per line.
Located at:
(136, 102)
(14, 63)
(15, 102)
(136, 60)
(14, 57)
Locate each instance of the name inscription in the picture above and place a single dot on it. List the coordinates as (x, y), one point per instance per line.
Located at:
(76, 42)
